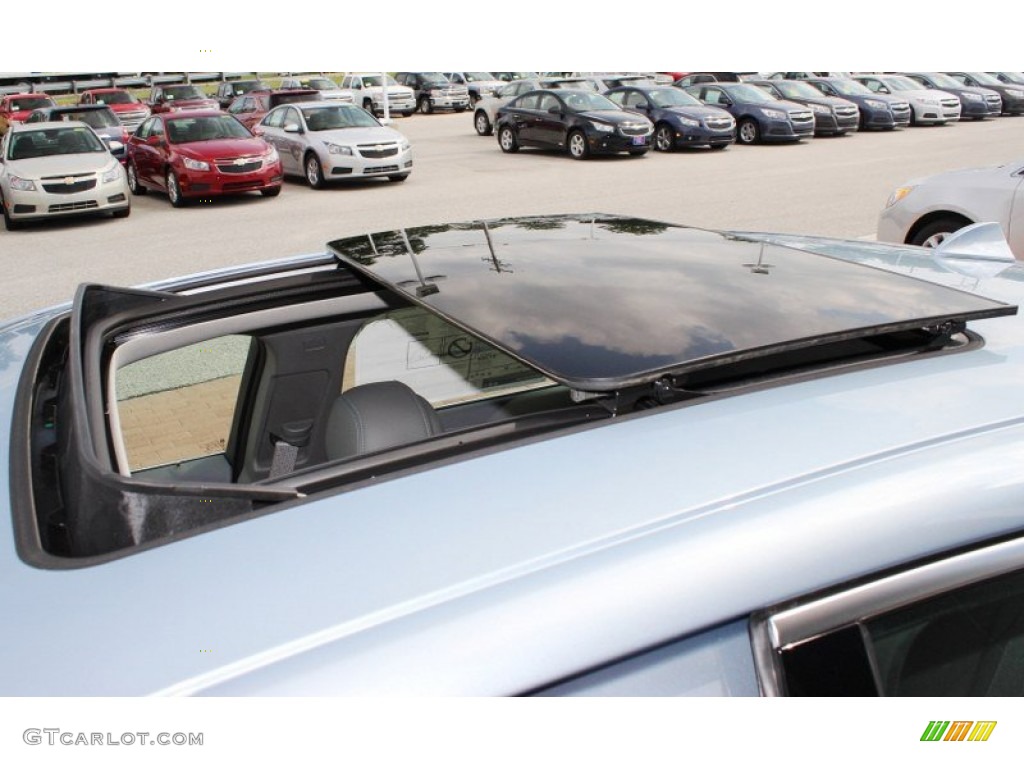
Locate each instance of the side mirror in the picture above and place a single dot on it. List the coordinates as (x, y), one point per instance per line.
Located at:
(555, 111)
(725, 103)
(115, 146)
(257, 130)
(883, 89)
(292, 128)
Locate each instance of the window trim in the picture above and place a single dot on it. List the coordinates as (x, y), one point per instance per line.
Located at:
(776, 630)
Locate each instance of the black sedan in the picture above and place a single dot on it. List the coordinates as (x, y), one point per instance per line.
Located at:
(1012, 93)
(583, 122)
(832, 115)
(679, 119)
(759, 115)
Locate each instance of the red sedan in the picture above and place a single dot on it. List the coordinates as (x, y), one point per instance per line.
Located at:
(199, 155)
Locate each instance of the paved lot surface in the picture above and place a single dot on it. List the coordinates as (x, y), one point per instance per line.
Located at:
(827, 186)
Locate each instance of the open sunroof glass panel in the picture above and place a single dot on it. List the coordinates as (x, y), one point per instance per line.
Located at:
(602, 302)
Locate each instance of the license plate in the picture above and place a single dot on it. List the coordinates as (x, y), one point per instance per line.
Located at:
(639, 139)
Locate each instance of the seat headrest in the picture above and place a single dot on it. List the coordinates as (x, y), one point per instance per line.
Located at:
(373, 417)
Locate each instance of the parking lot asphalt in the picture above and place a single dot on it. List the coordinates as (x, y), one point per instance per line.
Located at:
(825, 186)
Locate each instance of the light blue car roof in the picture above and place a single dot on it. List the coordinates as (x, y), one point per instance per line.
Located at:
(498, 573)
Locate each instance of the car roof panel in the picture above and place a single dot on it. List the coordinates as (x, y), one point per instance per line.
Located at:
(602, 302)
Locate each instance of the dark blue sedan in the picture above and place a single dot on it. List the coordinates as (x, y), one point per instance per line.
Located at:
(679, 119)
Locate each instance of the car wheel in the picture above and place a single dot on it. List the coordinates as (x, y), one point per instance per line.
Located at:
(578, 148)
(913, 116)
(314, 171)
(425, 107)
(368, 105)
(174, 190)
(9, 223)
(931, 235)
(133, 180)
(460, 109)
(271, 191)
(664, 138)
(122, 213)
(482, 123)
(398, 177)
(748, 132)
(507, 139)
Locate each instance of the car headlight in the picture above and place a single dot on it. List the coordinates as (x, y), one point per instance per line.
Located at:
(337, 149)
(271, 156)
(112, 174)
(404, 145)
(195, 165)
(774, 114)
(972, 96)
(22, 185)
(435, 92)
(897, 195)
(603, 127)
(821, 109)
(689, 122)
(1015, 94)
(874, 104)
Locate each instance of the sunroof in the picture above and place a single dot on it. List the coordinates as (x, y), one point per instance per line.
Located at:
(602, 302)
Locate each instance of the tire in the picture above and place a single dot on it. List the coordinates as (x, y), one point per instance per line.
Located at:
(313, 170)
(913, 116)
(368, 105)
(664, 138)
(122, 213)
(407, 113)
(174, 191)
(747, 132)
(460, 109)
(271, 191)
(425, 106)
(10, 224)
(133, 181)
(507, 139)
(482, 123)
(398, 177)
(932, 234)
(577, 143)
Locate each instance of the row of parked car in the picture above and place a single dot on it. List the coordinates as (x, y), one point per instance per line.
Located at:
(703, 110)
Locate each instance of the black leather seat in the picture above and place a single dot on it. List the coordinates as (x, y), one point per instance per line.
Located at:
(377, 416)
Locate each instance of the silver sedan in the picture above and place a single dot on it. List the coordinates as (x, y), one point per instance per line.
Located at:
(325, 141)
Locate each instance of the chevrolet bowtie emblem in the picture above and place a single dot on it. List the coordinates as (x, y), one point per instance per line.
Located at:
(378, 148)
(240, 161)
(69, 180)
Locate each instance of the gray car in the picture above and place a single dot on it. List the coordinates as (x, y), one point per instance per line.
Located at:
(324, 141)
(101, 118)
(549, 455)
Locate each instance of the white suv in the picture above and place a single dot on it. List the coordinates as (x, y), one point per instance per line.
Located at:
(368, 88)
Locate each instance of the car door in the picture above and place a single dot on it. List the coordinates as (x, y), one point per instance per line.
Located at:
(550, 126)
(292, 143)
(146, 151)
(522, 114)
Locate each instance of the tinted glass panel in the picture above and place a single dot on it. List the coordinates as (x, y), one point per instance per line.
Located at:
(835, 664)
(965, 643)
(598, 303)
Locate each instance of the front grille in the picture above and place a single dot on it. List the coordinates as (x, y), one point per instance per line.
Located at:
(900, 109)
(993, 101)
(69, 207)
(381, 169)
(800, 118)
(634, 129)
(69, 189)
(718, 124)
(376, 151)
(230, 165)
(240, 186)
(950, 103)
(845, 111)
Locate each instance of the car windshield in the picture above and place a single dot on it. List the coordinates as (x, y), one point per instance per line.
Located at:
(943, 81)
(53, 141)
(322, 84)
(984, 78)
(335, 117)
(902, 84)
(1014, 77)
(433, 77)
(30, 102)
(750, 94)
(793, 90)
(182, 130)
(95, 118)
(374, 81)
(672, 97)
(589, 102)
(182, 92)
(244, 86)
(472, 77)
(115, 97)
(850, 88)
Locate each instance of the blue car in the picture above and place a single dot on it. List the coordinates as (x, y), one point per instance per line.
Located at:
(679, 119)
(760, 116)
(546, 455)
(877, 110)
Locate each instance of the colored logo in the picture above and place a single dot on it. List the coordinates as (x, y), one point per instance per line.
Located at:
(958, 730)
